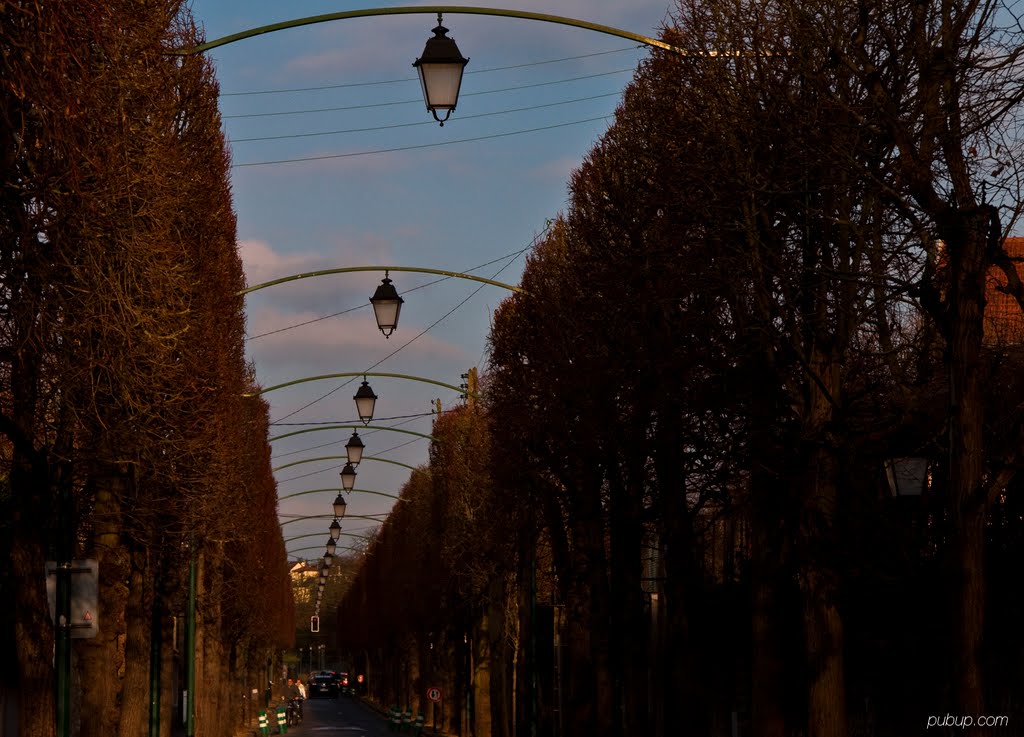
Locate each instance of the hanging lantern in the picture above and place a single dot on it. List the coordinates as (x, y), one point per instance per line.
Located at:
(386, 306)
(440, 69)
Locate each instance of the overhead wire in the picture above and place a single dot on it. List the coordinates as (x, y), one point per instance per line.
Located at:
(288, 136)
(421, 145)
(410, 79)
(534, 85)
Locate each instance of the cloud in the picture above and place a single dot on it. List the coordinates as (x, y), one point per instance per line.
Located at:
(558, 170)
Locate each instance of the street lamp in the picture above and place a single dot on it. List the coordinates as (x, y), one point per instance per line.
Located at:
(335, 528)
(331, 545)
(328, 557)
(440, 69)
(339, 509)
(386, 306)
(907, 476)
(348, 477)
(365, 401)
(354, 449)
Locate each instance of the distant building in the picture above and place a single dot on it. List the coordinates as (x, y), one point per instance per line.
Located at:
(300, 572)
(1004, 321)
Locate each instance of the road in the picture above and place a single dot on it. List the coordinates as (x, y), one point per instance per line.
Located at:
(323, 717)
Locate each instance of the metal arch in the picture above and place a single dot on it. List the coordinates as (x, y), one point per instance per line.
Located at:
(343, 458)
(350, 427)
(434, 10)
(331, 516)
(353, 491)
(355, 269)
(318, 534)
(351, 374)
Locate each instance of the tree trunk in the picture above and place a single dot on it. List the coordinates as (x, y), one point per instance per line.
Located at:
(683, 697)
(33, 633)
(628, 619)
(481, 677)
(966, 240)
(819, 581)
(100, 656)
(768, 660)
(500, 659)
(135, 685)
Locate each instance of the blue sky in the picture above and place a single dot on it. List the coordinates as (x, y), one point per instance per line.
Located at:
(444, 202)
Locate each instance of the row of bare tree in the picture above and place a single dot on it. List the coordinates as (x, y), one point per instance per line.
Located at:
(123, 426)
(670, 514)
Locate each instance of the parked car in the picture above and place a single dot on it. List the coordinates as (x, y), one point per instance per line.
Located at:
(323, 686)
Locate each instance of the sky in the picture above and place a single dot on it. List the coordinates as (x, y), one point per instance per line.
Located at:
(383, 184)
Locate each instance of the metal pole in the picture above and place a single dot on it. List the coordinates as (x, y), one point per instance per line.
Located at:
(155, 643)
(190, 649)
(62, 646)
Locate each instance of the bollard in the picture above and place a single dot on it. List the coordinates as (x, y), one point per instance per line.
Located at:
(417, 727)
(394, 718)
(264, 723)
(406, 719)
(282, 720)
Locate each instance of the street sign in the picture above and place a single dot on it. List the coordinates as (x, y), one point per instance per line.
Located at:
(85, 615)
(434, 694)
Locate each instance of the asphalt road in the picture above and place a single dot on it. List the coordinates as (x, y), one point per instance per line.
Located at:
(342, 716)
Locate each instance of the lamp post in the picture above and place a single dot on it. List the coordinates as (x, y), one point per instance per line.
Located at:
(440, 68)
(387, 304)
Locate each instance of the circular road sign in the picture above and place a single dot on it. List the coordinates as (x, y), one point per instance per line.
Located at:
(434, 694)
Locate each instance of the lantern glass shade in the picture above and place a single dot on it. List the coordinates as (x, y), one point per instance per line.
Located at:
(348, 477)
(387, 305)
(365, 401)
(331, 545)
(907, 476)
(335, 529)
(339, 508)
(440, 69)
(323, 580)
(354, 449)
(328, 557)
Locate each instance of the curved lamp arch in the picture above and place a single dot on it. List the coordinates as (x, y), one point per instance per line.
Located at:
(446, 10)
(356, 374)
(350, 427)
(353, 269)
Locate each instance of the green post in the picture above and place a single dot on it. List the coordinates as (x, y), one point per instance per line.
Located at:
(62, 646)
(190, 649)
(155, 644)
